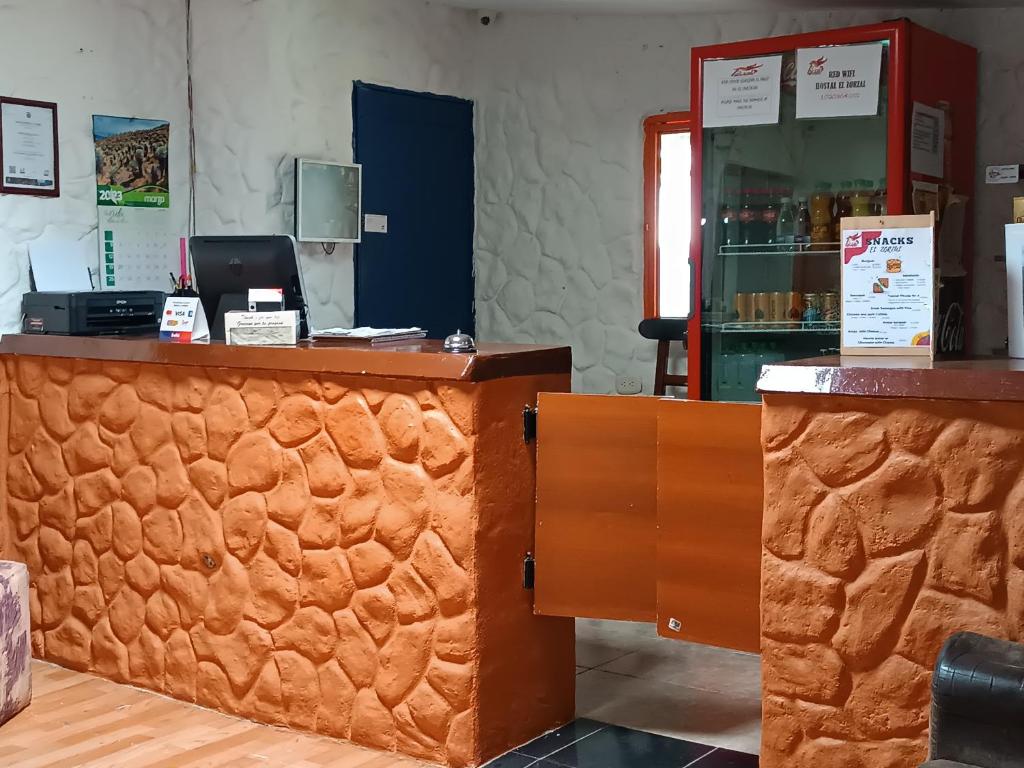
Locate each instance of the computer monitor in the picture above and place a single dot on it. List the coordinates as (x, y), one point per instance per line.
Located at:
(227, 267)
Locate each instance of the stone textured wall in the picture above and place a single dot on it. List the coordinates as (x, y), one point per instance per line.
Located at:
(282, 87)
(560, 102)
(888, 526)
(272, 80)
(297, 550)
(109, 57)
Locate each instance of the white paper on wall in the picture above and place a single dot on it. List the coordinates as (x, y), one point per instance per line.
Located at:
(62, 265)
(838, 81)
(927, 140)
(742, 91)
(137, 250)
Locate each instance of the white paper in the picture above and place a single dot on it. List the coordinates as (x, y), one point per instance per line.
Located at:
(888, 288)
(927, 140)
(365, 332)
(1015, 288)
(742, 91)
(1002, 174)
(138, 252)
(28, 161)
(62, 265)
(838, 81)
(376, 223)
(184, 320)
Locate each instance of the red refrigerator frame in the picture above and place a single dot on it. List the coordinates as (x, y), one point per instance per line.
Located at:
(924, 66)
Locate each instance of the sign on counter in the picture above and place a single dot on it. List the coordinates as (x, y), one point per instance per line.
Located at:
(184, 320)
(838, 81)
(888, 285)
(742, 91)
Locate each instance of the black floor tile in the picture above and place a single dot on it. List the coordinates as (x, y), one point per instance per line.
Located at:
(615, 747)
(726, 758)
(512, 760)
(563, 737)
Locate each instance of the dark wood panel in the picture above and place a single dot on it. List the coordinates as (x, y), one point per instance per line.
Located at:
(709, 498)
(596, 506)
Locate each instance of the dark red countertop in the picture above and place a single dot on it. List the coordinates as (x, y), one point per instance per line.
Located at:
(992, 378)
(408, 360)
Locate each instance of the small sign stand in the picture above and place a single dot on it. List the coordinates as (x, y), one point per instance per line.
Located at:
(184, 321)
(889, 287)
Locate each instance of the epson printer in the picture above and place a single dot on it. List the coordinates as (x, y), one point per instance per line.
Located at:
(91, 313)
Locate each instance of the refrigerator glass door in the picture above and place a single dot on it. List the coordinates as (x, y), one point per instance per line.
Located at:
(772, 196)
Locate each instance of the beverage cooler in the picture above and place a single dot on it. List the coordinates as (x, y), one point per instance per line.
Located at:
(790, 135)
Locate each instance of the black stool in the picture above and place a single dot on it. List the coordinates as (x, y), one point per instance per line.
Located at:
(665, 331)
(978, 704)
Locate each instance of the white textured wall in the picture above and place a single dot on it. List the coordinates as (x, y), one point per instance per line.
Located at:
(114, 57)
(560, 104)
(273, 80)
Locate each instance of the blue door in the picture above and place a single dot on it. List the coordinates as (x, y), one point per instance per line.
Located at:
(416, 150)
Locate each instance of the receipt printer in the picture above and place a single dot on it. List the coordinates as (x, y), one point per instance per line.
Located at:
(91, 313)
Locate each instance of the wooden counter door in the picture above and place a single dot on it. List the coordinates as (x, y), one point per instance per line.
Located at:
(710, 500)
(596, 506)
(650, 510)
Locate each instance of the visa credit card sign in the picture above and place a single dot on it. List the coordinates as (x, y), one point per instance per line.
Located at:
(184, 320)
(889, 285)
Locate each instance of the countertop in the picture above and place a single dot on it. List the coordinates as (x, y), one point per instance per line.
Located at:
(991, 378)
(408, 360)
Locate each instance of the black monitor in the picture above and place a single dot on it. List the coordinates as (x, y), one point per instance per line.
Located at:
(227, 267)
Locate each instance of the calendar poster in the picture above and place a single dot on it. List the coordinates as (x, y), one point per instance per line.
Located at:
(138, 251)
(131, 162)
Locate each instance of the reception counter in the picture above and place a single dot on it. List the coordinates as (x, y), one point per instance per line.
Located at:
(325, 537)
(893, 517)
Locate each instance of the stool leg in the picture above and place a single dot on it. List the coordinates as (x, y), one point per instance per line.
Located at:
(661, 368)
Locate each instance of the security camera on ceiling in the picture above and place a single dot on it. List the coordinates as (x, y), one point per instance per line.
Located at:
(486, 18)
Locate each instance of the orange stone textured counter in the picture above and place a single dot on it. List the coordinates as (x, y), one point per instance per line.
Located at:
(890, 522)
(334, 551)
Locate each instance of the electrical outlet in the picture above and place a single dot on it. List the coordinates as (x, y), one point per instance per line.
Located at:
(629, 385)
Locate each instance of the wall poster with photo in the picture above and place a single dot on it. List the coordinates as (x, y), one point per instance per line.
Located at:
(138, 250)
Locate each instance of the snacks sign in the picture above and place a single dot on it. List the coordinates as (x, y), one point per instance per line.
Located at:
(888, 276)
(838, 81)
(742, 91)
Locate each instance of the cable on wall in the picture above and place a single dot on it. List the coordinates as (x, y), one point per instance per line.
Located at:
(191, 122)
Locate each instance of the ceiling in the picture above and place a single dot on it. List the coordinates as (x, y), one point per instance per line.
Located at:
(705, 6)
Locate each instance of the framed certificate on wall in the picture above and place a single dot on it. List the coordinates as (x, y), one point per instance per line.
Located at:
(29, 158)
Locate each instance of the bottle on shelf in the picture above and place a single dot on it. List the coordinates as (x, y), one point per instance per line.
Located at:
(880, 202)
(727, 220)
(821, 217)
(748, 219)
(769, 218)
(786, 226)
(803, 223)
(860, 201)
(843, 209)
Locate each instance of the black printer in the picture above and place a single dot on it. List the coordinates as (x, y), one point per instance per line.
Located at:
(91, 313)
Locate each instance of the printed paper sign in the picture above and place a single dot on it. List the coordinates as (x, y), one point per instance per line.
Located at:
(184, 320)
(742, 91)
(888, 275)
(927, 140)
(838, 81)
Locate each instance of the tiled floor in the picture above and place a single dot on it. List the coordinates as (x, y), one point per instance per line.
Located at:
(590, 744)
(629, 676)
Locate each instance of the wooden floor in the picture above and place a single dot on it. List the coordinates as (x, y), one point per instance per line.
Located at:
(81, 720)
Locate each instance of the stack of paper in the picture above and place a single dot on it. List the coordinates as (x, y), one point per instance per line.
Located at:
(372, 335)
